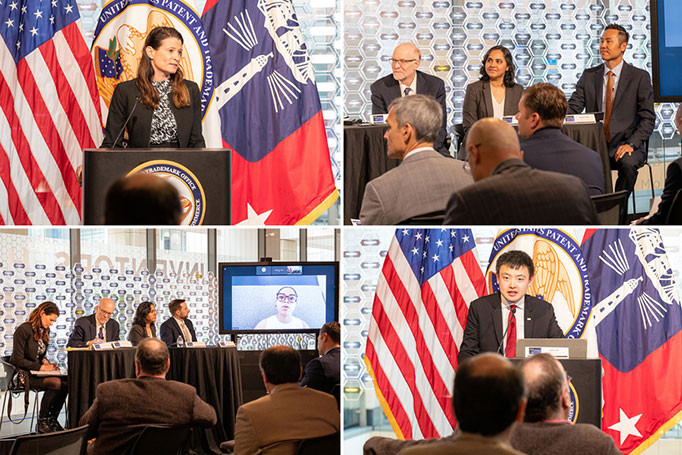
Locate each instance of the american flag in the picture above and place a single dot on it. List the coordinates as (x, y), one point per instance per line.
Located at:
(428, 280)
(49, 111)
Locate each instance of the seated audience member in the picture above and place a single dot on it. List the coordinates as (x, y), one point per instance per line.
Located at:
(324, 373)
(142, 199)
(143, 324)
(542, 110)
(275, 423)
(124, 406)
(508, 191)
(546, 430)
(96, 328)
(488, 398)
(424, 180)
(405, 80)
(673, 184)
(178, 326)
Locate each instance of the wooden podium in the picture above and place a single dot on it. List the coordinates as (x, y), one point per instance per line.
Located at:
(202, 177)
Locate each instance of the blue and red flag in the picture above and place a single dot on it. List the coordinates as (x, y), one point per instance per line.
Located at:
(638, 322)
(270, 112)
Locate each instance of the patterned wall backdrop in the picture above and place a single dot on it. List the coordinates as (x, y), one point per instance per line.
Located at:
(551, 41)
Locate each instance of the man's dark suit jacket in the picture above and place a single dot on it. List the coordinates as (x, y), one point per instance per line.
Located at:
(478, 102)
(483, 332)
(323, 373)
(549, 149)
(170, 331)
(187, 119)
(386, 89)
(85, 329)
(633, 117)
(124, 406)
(516, 194)
(673, 184)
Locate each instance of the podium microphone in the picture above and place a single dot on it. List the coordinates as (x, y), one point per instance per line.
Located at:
(504, 336)
(137, 98)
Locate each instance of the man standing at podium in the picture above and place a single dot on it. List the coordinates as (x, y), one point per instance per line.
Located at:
(495, 322)
(96, 328)
(178, 326)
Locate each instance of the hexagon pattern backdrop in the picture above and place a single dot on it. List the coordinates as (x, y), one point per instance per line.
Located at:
(551, 41)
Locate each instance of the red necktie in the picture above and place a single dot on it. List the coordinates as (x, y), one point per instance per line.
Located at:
(510, 350)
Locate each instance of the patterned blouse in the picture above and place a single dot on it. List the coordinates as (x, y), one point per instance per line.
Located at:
(41, 347)
(164, 128)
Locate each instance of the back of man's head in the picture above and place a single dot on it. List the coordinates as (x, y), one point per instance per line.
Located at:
(548, 102)
(142, 199)
(152, 356)
(280, 364)
(489, 394)
(545, 379)
(422, 112)
(333, 331)
(491, 141)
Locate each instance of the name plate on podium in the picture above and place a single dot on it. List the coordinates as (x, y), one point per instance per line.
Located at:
(561, 348)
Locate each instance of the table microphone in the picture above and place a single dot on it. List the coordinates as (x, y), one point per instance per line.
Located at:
(137, 98)
(499, 350)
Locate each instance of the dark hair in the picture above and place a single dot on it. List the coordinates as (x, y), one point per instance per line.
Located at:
(39, 332)
(516, 259)
(286, 287)
(333, 330)
(623, 34)
(142, 199)
(175, 305)
(487, 402)
(280, 364)
(548, 102)
(152, 354)
(509, 75)
(145, 72)
(141, 313)
(544, 391)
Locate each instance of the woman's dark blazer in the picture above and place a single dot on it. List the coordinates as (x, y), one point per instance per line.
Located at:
(25, 349)
(138, 333)
(188, 119)
(478, 102)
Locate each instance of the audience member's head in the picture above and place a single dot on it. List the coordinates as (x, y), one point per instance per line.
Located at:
(280, 365)
(142, 199)
(489, 395)
(151, 358)
(542, 105)
(404, 63)
(329, 338)
(413, 121)
(547, 386)
(491, 141)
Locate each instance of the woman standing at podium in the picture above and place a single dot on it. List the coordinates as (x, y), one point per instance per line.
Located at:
(28, 353)
(496, 94)
(143, 324)
(159, 108)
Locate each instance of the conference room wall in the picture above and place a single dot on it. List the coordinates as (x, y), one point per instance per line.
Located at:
(550, 42)
(363, 253)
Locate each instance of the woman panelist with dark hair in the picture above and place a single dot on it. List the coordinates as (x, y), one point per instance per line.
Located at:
(495, 94)
(164, 108)
(143, 324)
(28, 353)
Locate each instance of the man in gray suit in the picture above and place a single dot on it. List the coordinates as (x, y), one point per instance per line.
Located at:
(508, 191)
(425, 179)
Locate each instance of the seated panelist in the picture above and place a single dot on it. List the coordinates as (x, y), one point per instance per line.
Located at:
(143, 324)
(96, 328)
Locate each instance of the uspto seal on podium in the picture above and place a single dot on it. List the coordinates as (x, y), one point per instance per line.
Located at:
(192, 197)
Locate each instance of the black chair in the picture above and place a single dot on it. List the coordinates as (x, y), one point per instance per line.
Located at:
(164, 439)
(328, 445)
(336, 392)
(459, 135)
(428, 219)
(651, 175)
(13, 390)
(67, 442)
(611, 207)
(675, 213)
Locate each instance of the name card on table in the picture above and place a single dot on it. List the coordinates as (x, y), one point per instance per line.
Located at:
(379, 119)
(227, 344)
(511, 119)
(581, 119)
(195, 344)
(109, 345)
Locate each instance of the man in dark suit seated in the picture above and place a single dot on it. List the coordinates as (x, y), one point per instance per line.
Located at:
(508, 191)
(425, 179)
(496, 321)
(178, 326)
(96, 328)
(124, 406)
(542, 110)
(625, 95)
(406, 80)
(324, 372)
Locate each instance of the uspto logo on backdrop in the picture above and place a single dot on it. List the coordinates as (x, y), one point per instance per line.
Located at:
(192, 197)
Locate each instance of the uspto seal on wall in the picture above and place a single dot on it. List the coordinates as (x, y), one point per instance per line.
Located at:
(192, 197)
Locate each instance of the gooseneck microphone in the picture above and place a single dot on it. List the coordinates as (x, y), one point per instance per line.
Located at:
(137, 98)
(504, 336)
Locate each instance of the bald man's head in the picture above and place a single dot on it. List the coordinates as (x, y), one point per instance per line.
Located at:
(104, 310)
(142, 199)
(547, 388)
(405, 61)
(152, 357)
(491, 141)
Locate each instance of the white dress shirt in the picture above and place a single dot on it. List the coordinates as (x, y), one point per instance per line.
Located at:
(412, 86)
(616, 78)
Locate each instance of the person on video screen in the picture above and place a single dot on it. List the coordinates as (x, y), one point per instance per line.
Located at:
(285, 302)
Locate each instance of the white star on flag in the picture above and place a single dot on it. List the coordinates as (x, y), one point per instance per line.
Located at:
(415, 250)
(626, 426)
(406, 231)
(439, 243)
(465, 238)
(253, 218)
